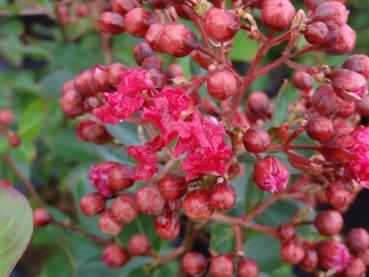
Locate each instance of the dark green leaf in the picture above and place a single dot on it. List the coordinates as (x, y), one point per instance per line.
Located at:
(222, 238)
(32, 120)
(124, 132)
(244, 49)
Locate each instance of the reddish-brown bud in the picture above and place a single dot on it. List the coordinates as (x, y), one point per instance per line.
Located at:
(124, 208)
(357, 240)
(333, 14)
(159, 4)
(364, 256)
(313, 4)
(90, 103)
(149, 199)
(86, 84)
(71, 103)
(115, 71)
(340, 41)
(303, 81)
(221, 25)
(108, 224)
(277, 14)
(194, 263)
(328, 223)
(178, 40)
(292, 253)
(359, 64)
(142, 51)
(222, 84)
(310, 261)
(13, 139)
(115, 256)
(248, 268)
(196, 205)
(63, 13)
(139, 245)
(138, 20)
(258, 106)
(222, 197)
(316, 33)
(221, 266)
(94, 131)
(172, 186)
(319, 128)
(153, 62)
(256, 140)
(153, 36)
(119, 177)
(270, 174)
(332, 255)
(6, 117)
(124, 6)
(325, 101)
(41, 217)
(355, 268)
(167, 225)
(83, 10)
(92, 204)
(175, 71)
(338, 195)
(286, 232)
(112, 23)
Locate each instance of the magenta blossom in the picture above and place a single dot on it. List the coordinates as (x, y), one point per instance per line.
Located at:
(99, 177)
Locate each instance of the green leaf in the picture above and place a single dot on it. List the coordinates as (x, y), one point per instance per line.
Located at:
(4, 145)
(222, 238)
(126, 133)
(286, 95)
(149, 271)
(32, 120)
(25, 152)
(16, 223)
(244, 49)
(52, 83)
(265, 251)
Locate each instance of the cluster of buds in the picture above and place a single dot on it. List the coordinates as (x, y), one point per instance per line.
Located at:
(192, 145)
(6, 119)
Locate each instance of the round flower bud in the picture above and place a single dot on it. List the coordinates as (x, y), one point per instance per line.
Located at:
(63, 13)
(348, 84)
(142, 51)
(71, 103)
(325, 101)
(94, 131)
(178, 40)
(86, 84)
(174, 71)
(292, 253)
(359, 64)
(313, 4)
(221, 25)
(277, 14)
(222, 197)
(363, 106)
(158, 4)
(149, 200)
(115, 256)
(222, 84)
(196, 205)
(333, 14)
(124, 208)
(248, 268)
(328, 223)
(357, 240)
(119, 177)
(338, 195)
(13, 139)
(90, 103)
(310, 261)
(319, 128)
(258, 106)
(221, 266)
(364, 256)
(124, 6)
(355, 268)
(303, 81)
(108, 224)
(270, 174)
(333, 255)
(41, 217)
(286, 232)
(316, 33)
(138, 20)
(139, 245)
(256, 140)
(92, 204)
(6, 117)
(153, 36)
(167, 225)
(112, 23)
(172, 186)
(194, 263)
(153, 62)
(340, 41)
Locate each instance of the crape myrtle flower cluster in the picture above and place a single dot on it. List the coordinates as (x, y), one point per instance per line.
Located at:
(192, 146)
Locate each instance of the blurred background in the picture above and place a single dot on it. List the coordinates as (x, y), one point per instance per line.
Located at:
(45, 43)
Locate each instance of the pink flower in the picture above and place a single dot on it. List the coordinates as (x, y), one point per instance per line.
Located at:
(146, 157)
(359, 165)
(333, 255)
(98, 177)
(270, 174)
(128, 99)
